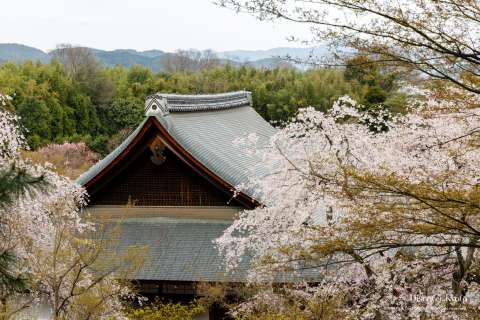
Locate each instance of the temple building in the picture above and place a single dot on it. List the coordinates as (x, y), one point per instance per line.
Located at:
(179, 169)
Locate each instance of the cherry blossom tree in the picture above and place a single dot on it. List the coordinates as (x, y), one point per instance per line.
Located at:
(44, 230)
(388, 219)
(384, 208)
(84, 276)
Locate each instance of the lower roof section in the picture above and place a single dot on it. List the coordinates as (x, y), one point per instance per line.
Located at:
(178, 249)
(180, 243)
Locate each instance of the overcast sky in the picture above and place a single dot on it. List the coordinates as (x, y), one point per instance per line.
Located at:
(137, 24)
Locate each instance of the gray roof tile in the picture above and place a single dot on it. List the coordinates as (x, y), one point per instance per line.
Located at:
(183, 250)
(209, 137)
(178, 249)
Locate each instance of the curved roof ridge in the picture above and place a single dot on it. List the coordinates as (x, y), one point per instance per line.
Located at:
(206, 95)
(203, 102)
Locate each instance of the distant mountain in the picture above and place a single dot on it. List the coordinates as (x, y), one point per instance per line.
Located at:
(268, 63)
(152, 59)
(255, 55)
(155, 59)
(152, 53)
(19, 52)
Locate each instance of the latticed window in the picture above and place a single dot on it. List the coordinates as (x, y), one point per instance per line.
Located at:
(172, 183)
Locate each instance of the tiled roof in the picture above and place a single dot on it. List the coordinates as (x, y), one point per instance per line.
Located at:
(208, 134)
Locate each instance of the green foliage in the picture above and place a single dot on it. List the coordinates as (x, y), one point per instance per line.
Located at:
(13, 183)
(375, 95)
(99, 144)
(9, 280)
(90, 103)
(380, 82)
(125, 113)
(166, 311)
(37, 118)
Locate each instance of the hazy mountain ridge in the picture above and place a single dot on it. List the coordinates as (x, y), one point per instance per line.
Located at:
(19, 52)
(130, 58)
(255, 55)
(154, 59)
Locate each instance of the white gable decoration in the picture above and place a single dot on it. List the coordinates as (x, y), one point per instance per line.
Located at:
(156, 106)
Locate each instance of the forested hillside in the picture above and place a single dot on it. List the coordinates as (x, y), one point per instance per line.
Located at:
(74, 98)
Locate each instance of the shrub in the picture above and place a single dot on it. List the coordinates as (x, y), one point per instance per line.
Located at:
(160, 310)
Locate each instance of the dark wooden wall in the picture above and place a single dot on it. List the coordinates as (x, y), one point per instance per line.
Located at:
(172, 183)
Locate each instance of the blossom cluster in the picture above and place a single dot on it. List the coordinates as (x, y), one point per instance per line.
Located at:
(4, 98)
(75, 154)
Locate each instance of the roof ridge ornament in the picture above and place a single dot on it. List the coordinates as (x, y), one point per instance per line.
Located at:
(156, 105)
